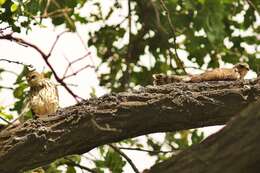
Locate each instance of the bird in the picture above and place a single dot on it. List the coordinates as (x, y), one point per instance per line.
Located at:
(42, 98)
(219, 74)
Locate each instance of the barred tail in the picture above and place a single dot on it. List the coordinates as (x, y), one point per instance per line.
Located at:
(161, 79)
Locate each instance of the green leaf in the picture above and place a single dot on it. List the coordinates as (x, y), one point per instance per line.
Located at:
(48, 74)
(2, 2)
(18, 92)
(202, 1)
(22, 75)
(100, 163)
(196, 137)
(114, 162)
(71, 169)
(14, 7)
(4, 114)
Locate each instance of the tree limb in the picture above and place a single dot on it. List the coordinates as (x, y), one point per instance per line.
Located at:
(234, 149)
(151, 109)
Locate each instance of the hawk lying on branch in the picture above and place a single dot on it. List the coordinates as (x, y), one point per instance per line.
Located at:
(219, 74)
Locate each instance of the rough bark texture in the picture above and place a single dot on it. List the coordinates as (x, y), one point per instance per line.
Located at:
(235, 149)
(151, 109)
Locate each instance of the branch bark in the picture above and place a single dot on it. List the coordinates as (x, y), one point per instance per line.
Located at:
(151, 109)
(234, 149)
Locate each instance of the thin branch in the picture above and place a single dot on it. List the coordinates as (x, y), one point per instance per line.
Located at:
(69, 84)
(45, 58)
(66, 16)
(253, 6)
(56, 13)
(76, 72)
(46, 8)
(177, 59)
(73, 62)
(157, 17)
(129, 23)
(5, 120)
(55, 42)
(12, 72)
(68, 66)
(145, 150)
(85, 47)
(6, 87)
(15, 62)
(72, 163)
(126, 75)
(125, 156)
(2, 29)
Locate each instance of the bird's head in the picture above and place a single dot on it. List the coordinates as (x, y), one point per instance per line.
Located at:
(242, 68)
(34, 79)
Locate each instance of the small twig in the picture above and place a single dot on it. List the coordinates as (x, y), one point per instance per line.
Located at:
(157, 17)
(69, 84)
(85, 47)
(55, 42)
(6, 87)
(12, 72)
(144, 150)
(66, 16)
(57, 13)
(178, 60)
(253, 6)
(73, 62)
(128, 57)
(76, 72)
(45, 58)
(125, 156)
(46, 8)
(2, 29)
(16, 62)
(129, 25)
(72, 163)
(8, 122)
(68, 66)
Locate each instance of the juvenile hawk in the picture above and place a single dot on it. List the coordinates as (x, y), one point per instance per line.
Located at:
(237, 72)
(43, 97)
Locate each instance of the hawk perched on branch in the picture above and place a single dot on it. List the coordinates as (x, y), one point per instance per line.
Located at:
(43, 96)
(219, 74)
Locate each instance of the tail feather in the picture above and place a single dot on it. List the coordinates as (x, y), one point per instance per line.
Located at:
(162, 79)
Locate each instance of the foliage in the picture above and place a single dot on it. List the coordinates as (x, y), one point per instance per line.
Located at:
(112, 161)
(209, 31)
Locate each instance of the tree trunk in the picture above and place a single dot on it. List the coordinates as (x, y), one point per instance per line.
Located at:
(82, 127)
(234, 149)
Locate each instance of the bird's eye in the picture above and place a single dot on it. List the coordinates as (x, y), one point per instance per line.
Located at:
(33, 77)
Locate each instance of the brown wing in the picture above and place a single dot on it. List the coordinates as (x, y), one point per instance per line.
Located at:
(217, 75)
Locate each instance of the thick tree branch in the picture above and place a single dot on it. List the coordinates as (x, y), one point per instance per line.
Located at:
(234, 149)
(151, 109)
